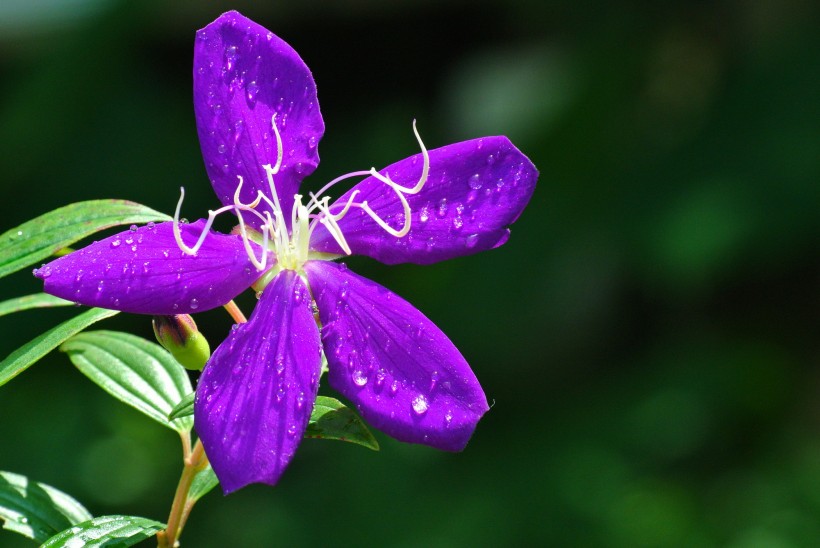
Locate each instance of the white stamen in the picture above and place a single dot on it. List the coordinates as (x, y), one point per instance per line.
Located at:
(290, 242)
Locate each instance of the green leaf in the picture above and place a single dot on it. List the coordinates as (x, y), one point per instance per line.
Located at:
(136, 371)
(38, 300)
(184, 408)
(331, 420)
(36, 510)
(108, 531)
(204, 481)
(45, 235)
(16, 362)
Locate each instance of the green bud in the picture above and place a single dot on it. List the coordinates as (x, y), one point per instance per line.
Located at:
(179, 336)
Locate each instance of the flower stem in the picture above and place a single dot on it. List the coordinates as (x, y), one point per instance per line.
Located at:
(235, 313)
(194, 461)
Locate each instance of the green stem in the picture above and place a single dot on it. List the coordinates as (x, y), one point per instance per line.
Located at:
(194, 461)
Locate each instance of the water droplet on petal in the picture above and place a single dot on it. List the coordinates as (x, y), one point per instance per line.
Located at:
(115, 243)
(394, 388)
(230, 57)
(424, 214)
(251, 91)
(475, 182)
(442, 208)
(381, 375)
(419, 404)
(221, 149)
(471, 240)
(194, 304)
(359, 378)
(433, 380)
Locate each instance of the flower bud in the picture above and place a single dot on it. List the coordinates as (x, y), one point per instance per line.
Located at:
(179, 336)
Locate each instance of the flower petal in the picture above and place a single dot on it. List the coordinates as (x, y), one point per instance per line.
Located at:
(143, 271)
(474, 191)
(404, 375)
(254, 398)
(243, 75)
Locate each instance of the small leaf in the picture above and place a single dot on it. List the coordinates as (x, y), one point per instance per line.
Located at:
(38, 300)
(204, 481)
(36, 510)
(108, 531)
(136, 371)
(331, 420)
(45, 235)
(184, 408)
(16, 362)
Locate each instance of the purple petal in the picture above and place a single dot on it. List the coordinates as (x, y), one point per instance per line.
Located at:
(143, 271)
(243, 75)
(475, 190)
(404, 375)
(254, 398)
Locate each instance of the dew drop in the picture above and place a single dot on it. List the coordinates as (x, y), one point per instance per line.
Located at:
(471, 240)
(458, 222)
(312, 142)
(221, 149)
(419, 404)
(115, 243)
(300, 400)
(292, 430)
(150, 225)
(490, 160)
(359, 378)
(442, 208)
(394, 388)
(194, 304)
(381, 375)
(132, 228)
(475, 181)
(251, 92)
(434, 380)
(230, 57)
(424, 214)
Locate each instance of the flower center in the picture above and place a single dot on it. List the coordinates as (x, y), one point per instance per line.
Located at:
(289, 242)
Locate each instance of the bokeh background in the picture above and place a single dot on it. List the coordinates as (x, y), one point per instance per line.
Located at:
(650, 335)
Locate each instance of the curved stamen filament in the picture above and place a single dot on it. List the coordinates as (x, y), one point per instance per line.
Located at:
(290, 241)
(212, 214)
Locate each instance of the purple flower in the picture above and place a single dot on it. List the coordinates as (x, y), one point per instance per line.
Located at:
(259, 125)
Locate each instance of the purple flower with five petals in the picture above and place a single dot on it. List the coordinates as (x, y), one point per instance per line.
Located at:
(259, 125)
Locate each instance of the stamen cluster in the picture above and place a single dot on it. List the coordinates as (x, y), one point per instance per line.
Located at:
(290, 242)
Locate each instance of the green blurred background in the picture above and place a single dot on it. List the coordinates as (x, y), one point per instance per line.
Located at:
(649, 334)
